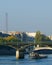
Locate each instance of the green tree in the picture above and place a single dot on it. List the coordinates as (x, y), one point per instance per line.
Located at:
(38, 37)
(41, 39)
(11, 39)
(1, 39)
(45, 38)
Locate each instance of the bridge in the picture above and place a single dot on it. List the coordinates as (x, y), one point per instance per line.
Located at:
(19, 48)
(23, 45)
(18, 45)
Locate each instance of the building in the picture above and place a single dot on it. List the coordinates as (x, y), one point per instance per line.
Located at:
(31, 34)
(4, 34)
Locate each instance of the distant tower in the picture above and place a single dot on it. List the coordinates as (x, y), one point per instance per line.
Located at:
(6, 22)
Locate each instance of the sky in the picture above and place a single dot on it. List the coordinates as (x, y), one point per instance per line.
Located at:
(26, 15)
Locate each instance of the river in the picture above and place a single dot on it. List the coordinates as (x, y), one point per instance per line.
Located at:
(11, 60)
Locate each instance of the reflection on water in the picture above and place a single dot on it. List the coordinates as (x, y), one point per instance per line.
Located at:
(11, 60)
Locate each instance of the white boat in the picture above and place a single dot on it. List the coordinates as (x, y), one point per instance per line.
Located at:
(37, 56)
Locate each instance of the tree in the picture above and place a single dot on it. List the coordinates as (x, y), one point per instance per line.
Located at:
(38, 37)
(11, 39)
(41, 38)
(45, 38)
(1, 39)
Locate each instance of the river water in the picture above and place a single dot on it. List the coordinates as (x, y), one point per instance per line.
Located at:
(11, 60)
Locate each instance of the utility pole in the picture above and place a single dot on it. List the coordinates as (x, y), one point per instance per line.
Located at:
(6, 22)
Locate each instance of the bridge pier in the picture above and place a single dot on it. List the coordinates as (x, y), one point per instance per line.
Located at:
(19, 54)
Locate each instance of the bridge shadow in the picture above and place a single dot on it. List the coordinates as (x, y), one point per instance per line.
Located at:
(7, 50)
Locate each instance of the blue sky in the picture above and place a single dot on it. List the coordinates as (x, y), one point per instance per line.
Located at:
(27, 15)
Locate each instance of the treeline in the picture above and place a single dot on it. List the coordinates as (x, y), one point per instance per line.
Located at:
(11, 39)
